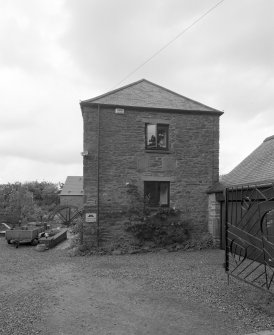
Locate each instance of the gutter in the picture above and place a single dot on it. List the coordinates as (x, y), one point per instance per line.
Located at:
(151, 108)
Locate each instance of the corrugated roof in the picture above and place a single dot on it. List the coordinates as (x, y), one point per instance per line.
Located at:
(146, 94)
(257, 168)
(73, 186)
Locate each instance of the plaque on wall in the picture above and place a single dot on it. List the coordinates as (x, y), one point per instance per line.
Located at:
(91, 217)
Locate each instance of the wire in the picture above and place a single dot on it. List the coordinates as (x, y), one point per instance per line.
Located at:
(170, 42)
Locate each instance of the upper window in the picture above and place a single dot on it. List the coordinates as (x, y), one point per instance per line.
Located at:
(156, 136)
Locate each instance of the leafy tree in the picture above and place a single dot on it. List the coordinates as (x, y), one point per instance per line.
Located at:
(28, 201)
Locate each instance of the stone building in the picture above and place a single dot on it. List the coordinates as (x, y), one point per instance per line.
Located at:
(72, 192)
(145, 136)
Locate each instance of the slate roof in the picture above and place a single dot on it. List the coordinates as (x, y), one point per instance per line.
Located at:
(73, 186)
(146, 94)
(257, 168)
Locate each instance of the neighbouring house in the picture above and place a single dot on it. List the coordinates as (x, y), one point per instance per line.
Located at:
(145, 136)
(256, 170)
(72, 192)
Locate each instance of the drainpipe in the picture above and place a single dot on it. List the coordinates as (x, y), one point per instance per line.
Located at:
(98, 171)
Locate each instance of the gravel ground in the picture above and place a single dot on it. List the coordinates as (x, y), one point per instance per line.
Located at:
(51, 293)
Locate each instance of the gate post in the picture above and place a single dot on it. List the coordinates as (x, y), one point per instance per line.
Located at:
(214, 214)
(226, 234)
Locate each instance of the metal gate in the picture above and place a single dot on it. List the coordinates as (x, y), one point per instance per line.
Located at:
(66, 214)
(249, 235)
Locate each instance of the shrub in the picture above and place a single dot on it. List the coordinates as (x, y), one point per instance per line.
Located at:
(163, 227)
(77, 227)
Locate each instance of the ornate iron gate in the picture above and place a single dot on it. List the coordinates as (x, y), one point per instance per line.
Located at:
(250, 235)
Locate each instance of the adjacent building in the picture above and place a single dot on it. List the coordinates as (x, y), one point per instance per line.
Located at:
(255, 171)
(72, 193)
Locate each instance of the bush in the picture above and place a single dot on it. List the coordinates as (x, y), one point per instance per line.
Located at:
(164, 227)
(77, 227)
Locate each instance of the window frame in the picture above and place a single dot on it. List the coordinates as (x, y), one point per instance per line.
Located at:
(158, 127)
(157, 188)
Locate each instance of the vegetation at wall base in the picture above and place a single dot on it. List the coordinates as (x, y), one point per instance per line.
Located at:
(146, 229)
(165, 227)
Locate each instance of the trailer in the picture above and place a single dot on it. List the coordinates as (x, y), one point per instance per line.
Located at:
(25, 234)
(3, 228)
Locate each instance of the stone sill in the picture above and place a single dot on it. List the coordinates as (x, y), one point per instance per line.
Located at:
(157, 208)
(158, 151)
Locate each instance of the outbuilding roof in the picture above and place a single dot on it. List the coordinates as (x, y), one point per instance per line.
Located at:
(146, 94)
(73, 186)
(255, 169)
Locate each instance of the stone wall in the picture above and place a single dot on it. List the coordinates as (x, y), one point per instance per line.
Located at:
(191, 165)
(214, 215)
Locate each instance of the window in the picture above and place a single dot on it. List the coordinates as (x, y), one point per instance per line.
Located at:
(157, 193)
(156, 136)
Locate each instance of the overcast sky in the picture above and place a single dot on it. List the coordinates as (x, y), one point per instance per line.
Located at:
(57, 52)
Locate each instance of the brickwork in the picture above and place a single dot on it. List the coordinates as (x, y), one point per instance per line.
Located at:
(191, 164)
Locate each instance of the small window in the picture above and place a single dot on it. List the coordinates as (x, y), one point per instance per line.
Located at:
(157, 193)
(156, 136)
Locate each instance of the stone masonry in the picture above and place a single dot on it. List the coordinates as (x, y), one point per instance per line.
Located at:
(214, 214)
(191, 164)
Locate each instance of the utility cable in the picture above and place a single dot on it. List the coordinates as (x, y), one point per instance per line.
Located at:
(170, 42)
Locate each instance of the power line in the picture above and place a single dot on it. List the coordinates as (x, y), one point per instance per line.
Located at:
(170, 42)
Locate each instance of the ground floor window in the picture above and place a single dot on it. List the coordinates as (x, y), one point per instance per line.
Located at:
(157, 193)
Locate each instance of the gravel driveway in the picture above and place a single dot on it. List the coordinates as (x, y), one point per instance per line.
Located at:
(156, 293)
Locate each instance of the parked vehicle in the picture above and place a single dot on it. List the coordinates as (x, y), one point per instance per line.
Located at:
(3, 228)
(26, 234)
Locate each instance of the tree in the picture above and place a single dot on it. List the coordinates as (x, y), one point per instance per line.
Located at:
(28, 201)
